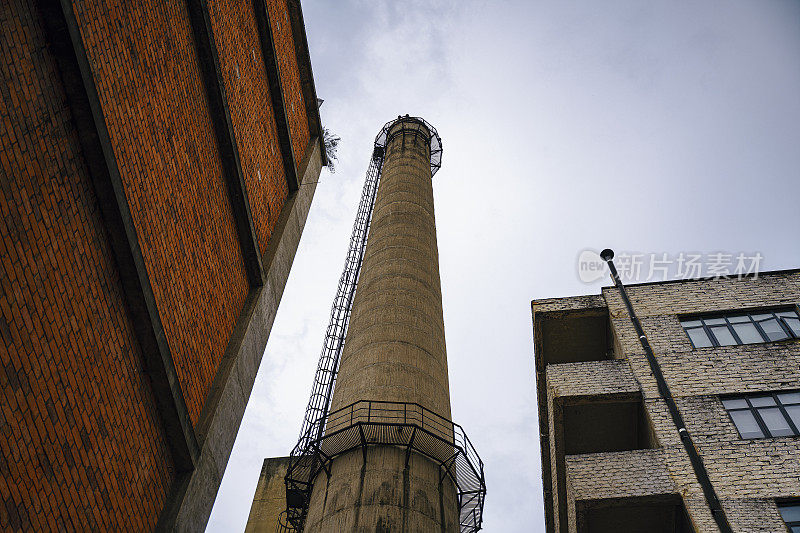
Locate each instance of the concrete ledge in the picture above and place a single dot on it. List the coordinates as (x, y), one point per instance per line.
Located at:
(607, 475)
(556, 310)
(591, 378)
(571, 303)
(660, 513)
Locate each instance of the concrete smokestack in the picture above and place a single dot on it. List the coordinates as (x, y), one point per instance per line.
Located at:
(394, 352)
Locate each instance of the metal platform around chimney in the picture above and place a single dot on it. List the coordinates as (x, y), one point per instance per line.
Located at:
(405, 425)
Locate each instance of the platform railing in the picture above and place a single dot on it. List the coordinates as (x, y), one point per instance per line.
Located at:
(406, 425)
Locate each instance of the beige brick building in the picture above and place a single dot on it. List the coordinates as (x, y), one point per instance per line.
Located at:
(612, 456)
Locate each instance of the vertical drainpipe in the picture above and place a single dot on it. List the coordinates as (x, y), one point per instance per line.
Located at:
(697, 462)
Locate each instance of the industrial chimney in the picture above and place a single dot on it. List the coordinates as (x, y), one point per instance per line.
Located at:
(379, 451)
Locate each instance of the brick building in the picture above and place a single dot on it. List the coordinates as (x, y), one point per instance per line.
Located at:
(613, 457)
(158, 162)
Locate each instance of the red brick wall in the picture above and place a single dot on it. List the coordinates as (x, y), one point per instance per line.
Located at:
(290, 77)
(244, 74)
(81, 445)
(81, 442)
(154, 101)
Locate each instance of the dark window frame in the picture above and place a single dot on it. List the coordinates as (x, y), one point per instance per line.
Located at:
(789, 503)
(757, 416)
(725, 315)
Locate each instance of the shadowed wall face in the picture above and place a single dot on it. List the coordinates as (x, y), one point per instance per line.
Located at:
(394, 351)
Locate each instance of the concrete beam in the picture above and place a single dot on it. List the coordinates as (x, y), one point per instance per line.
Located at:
(270, 497)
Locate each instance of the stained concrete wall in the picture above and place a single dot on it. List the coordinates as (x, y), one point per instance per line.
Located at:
(394, 351)
(270, 498)
(395, 347)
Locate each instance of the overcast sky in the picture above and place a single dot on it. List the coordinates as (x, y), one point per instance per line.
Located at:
(648, 127)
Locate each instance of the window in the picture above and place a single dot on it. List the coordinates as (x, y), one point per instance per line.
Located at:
(790, 512)
(758, 416)
(735, 328)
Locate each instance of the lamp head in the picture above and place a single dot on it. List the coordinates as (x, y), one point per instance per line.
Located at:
(607, 254)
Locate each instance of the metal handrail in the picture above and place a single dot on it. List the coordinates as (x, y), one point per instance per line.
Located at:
(432, 417)
(363, 423)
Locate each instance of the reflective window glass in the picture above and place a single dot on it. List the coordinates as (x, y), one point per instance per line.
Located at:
(789, 397)
(748, 333)
(735, 403)
(724, 336)
(762, 401)
(776, 423)
(741, 318)
(743, 328)
(699, 338)
(794, 413)
(758, 416)
(794, 325)
(747, 425)
(773, 330)
(790, 513)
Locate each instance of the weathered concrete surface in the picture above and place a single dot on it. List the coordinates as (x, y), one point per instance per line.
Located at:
(270, 498)
(394, 351)
(381, 496)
